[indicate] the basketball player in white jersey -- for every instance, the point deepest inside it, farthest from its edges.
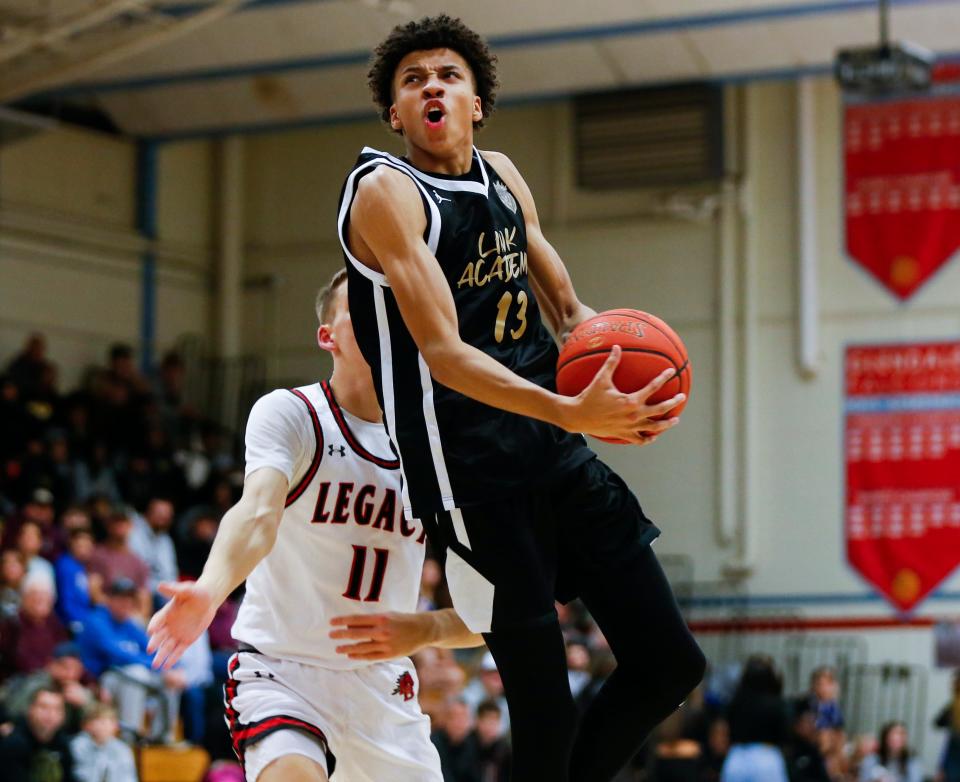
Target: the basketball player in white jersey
(319, 532)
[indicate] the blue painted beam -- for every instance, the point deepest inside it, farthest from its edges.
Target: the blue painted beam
(186, 9)
(329, 120)
(498, 42)
(146, 212)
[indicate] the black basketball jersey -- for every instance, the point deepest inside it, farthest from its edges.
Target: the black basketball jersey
(455, 451)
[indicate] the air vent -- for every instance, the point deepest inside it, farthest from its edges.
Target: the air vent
(649, 137)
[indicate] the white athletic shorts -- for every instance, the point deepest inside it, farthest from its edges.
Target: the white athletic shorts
(363, 725)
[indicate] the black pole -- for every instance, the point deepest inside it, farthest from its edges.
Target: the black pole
(884, 23)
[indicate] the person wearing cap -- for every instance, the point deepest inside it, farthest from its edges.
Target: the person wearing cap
(63, 673)
(114, 647)
(488, 686)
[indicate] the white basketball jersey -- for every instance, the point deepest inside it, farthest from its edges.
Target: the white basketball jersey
(344, 546)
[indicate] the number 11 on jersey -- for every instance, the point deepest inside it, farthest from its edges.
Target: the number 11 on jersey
(357, 570)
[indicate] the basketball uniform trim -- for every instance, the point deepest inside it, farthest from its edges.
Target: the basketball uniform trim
(243, 735)
(386, 381)
(456, 185)
(386, 353)
(433, 436)
(352, 441)
(302, 484)
(349, 193)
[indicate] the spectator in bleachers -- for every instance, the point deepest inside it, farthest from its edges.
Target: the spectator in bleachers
(113, 560)
(37, 748)
(40, 508)
(440, 680)
(29, 544)
(99, 510)
(114, 647)
(487, 686)
(73, 583)
(94, 475)
(459, 756)
(13, 570)
(15, 425)
(196, 542)
(169, 393)
(74, 517)
(758, 725)
(35, 632)
(58, 469)
(894, 761)
(805, 761)
(949, 718)
(64, 673)
(98, 755)
(675, 757)
(44, 403)
(26, 369)
(715, 750)
(151, 541)
(430, 578)
(493, 749)
(578, 666)
(824, 698)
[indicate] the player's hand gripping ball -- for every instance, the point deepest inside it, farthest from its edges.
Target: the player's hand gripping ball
(648, 347)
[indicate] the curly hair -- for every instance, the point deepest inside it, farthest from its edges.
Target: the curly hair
(433, 32)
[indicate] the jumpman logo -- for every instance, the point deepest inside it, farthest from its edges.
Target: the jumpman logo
(440, 198)
(341, 449)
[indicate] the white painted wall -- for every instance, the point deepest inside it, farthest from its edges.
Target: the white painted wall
(70, 257)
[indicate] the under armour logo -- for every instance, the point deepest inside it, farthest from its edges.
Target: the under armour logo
(341, 449)
(440, 198)
(259, 674)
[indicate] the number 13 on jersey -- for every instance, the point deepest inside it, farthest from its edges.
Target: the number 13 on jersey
(503, 310)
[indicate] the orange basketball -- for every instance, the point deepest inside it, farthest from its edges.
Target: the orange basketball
(648, 345)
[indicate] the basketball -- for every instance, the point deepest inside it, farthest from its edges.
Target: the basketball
(649, 346)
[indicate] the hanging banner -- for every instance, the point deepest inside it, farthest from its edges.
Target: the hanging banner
(902, 193)
(903, 466)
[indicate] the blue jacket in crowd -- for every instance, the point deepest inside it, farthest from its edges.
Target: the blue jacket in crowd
(73, 592)
(106, 643)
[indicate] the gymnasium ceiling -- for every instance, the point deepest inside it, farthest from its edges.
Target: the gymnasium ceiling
(183, 68)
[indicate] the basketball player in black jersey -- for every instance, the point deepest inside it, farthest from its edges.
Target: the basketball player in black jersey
(450, 280)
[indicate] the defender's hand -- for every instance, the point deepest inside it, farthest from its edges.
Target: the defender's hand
(180, 622)
(383, 636)
(602, 410)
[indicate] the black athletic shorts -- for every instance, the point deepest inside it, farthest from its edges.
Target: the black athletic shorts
(508, 561)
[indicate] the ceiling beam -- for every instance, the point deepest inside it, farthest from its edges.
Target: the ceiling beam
(18, 83)
(498, 42)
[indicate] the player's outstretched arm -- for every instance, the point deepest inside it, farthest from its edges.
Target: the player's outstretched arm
(246, 535)
(394, 634)
(386, 228)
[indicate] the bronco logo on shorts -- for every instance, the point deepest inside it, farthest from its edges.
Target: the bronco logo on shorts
(404, 686)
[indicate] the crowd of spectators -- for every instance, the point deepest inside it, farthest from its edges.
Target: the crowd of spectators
(118, 485)
(105, 491)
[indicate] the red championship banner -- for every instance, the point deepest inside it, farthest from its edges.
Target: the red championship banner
(903, 466)
(902, 196)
